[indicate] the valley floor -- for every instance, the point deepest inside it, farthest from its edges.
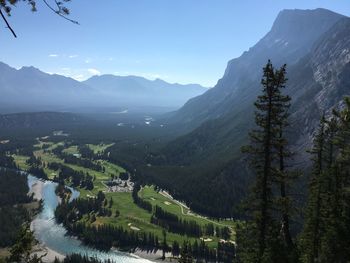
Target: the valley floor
(131, 217)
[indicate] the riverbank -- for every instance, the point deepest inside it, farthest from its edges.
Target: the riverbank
(155, 256)
(41, 249)
(50, 254)
(51, 235)
(37, 189)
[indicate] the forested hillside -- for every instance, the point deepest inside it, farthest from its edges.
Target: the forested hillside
(318, 71)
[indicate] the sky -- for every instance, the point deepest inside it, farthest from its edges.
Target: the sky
(182, 41)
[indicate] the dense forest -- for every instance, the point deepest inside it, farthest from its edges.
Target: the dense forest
(79, 216)
(272, 230)
(13, 197)
(220, 178)
(174, 224)
(70, 212)
(267, 235)
(77, 178)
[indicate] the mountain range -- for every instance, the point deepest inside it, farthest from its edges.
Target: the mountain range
(212, 127)
(29, 89)
(315, 45)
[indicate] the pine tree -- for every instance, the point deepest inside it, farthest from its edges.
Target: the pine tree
(326, 234)
(164, 245)
(175, 249)
(311, 234)
(110, 203)
(186, 253)
(335, 242)
(267, 151)
(284, 177)
(22, 249)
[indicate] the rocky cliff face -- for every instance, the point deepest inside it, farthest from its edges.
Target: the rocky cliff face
(318, 68)
(325, 83)
(292, 36)
(318, 79)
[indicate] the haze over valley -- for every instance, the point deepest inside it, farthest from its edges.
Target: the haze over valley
(29, 89)
(107, 167)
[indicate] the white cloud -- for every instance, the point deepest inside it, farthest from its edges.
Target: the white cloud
(53, 55)
(87, 60)
(94, 71)
(73, 56)
(79, 77)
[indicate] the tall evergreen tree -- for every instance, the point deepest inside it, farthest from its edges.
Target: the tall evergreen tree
(186, 253)
(284, 177)
(267, 151)
(312, 227)
(22, 249)
(326, 234)
(165, 245)
(335, 242)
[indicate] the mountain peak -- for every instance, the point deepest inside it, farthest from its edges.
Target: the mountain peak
(291, 37)
(31, 69)
(296, 25)
(321, 12)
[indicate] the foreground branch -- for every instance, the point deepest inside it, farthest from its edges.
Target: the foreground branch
(7, 24)
(57, 12)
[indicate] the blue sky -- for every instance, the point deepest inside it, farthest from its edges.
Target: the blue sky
(184, 41)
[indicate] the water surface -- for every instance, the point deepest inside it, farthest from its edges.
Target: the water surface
(53, 235)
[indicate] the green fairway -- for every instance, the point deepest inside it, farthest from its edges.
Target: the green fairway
(99, 148)
(71, 150)
(131, 216)
(21, 161)
(156, 198)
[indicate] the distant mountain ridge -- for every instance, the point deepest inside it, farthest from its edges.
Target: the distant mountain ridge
(143, 91)
(28, 89)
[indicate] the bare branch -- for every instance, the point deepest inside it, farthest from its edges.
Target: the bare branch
(58, 12)
(7, 24)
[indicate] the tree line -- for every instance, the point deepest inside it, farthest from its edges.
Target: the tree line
(77, 178)
(86, 161)
(268, 235)
(174, 224)
(77, 258)
(139, 201)
(13, 196)
(70, 212)
(106, 236)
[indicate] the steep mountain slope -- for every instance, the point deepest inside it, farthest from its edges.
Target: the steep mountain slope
(211, 153)
(292, 35)
(141, 91)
